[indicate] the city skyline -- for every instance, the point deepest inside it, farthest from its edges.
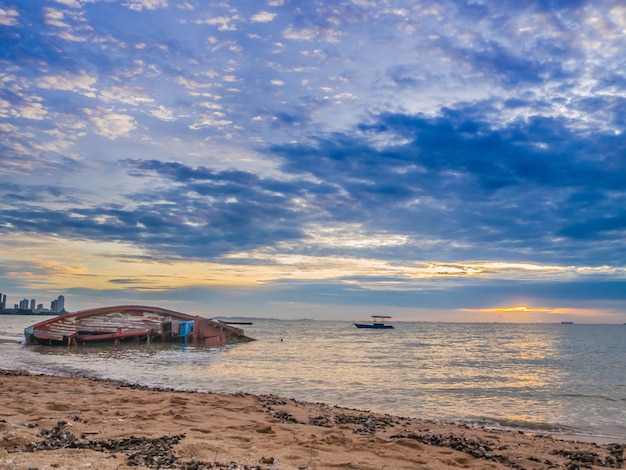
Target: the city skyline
(440, 160)
(30, 304)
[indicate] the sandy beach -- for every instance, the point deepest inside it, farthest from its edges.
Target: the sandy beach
(51, 422)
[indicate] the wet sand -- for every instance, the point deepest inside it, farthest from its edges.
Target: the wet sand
(79, 423)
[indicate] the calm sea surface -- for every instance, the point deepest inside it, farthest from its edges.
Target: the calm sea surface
(568, 379)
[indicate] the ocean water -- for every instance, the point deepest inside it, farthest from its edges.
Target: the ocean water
(544, 378)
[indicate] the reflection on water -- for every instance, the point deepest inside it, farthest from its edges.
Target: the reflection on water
(544, 377)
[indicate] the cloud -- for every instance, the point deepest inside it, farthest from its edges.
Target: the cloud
(311, 34)
(9, 17)
(197, 212)
(263, 17)
(110, 124)
(458, 176)
(438, 145)
(163, 114)
(70, 3)
(215, 119)
(139, 5)
(448, 177)
(33, 111)
(54, 17)
(81, 83)
(125, 94)
(225, 23)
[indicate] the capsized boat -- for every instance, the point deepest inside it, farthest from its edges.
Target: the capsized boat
(378, 322)
(132, 323)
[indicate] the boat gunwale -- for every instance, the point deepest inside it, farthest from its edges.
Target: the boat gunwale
(105, 310)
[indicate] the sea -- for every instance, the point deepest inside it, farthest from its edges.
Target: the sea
(561, 379)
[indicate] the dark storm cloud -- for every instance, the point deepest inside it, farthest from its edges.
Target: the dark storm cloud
(163, 231)
(209, 181)
(522, 189)
(520, 186)
(208, 214)
(499, 64)
(610, 227)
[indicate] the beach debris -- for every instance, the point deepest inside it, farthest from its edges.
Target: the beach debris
(320, 420)
(16, 372)
(156, 453)
(482, 449)
(284, 416)
(366, 423)
(272, 400)
(56, 438)
(477, 448)
(279, 414)
(617, 452)
(585, 459)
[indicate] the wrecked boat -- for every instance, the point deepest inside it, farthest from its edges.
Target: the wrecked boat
(132, 323)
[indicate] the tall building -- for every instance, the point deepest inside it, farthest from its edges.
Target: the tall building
(56, 306)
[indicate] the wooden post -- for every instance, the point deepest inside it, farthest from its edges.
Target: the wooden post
(197, 324)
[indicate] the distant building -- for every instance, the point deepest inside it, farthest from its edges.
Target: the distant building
(28, 306)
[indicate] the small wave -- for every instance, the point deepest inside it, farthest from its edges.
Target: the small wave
(595, 397)
(558, 431)
(519, 425)
(4, 338)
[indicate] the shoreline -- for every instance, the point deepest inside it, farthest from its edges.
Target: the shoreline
(242, 430)
(599, 439)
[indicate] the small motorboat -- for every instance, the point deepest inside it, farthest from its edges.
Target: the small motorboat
(378, 322)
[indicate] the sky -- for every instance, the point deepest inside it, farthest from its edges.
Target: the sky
(428, 160)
